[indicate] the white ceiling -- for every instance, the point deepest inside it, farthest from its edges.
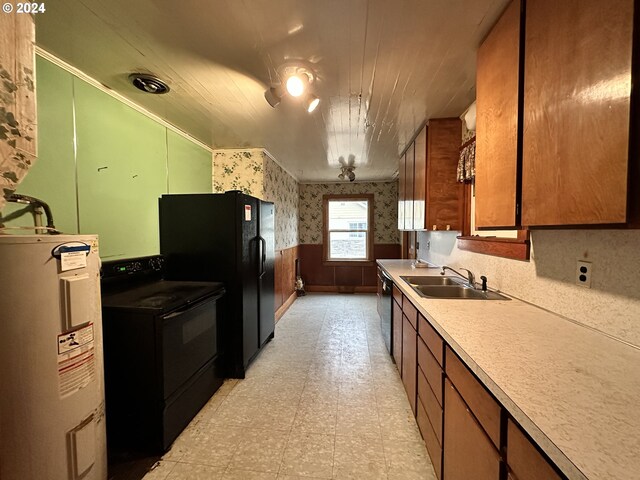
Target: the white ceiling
(384, 67)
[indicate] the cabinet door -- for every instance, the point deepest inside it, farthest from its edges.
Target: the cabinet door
(445, 195)
(576, 111)
(497, 102)
(402, 194)
(420, 180)
(397, 335)
(524, 459)
(468, 452)
(409, 362)
(408, 187)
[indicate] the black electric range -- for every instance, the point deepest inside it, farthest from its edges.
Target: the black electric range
(161, 352)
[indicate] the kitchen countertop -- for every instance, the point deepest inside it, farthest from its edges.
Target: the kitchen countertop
(573, 389)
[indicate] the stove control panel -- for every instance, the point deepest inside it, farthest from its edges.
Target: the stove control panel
(133, 267)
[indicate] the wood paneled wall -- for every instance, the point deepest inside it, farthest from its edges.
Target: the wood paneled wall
(322, 278)
(285, 278)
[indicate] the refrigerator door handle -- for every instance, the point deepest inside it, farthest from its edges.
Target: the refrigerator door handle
(263, 255)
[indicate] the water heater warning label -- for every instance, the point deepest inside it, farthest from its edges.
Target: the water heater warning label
(76, 360)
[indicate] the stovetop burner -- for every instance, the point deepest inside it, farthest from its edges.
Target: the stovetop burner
(137, 285)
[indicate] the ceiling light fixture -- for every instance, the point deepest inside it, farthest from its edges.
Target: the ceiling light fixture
(297, 80)
(148, 83)
(295, 85)
(312, 102)
(347, 172)
(273, 95)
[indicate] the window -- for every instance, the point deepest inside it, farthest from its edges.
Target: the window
(348, 228)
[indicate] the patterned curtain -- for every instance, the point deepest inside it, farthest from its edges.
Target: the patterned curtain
(17, 101)
(467, 161)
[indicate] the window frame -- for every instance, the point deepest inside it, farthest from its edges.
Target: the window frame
(369, 260)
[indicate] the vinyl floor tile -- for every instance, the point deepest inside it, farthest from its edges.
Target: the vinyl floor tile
(309, 454)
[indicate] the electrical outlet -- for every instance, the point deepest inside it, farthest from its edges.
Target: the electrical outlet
(428, 244)
(583, 273)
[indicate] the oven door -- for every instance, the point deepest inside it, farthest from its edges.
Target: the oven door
(189, 340)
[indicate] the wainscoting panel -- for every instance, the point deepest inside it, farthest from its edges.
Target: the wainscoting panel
(349, 278)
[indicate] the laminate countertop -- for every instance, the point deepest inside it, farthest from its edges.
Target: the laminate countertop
(575, 390)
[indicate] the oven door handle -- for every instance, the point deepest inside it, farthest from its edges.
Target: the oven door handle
(193, 306)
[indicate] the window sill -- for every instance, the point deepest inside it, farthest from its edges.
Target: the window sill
(348, 263)
(514, 248)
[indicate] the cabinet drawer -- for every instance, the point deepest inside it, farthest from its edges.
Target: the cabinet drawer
(431, 369)
(430, 404)
(480, 401)
(409, 362)
(431, 338)
(431, 441)
(397, 295)
(524, 459)
(468, 452)
(410, 311)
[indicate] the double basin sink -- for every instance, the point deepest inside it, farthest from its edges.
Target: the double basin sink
(448, 288)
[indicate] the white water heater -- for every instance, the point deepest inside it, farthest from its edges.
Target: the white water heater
(52, 424)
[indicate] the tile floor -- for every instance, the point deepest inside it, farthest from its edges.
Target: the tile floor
(323, 400)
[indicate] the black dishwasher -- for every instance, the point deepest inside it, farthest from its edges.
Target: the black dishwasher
(160, 351)
(385, 306)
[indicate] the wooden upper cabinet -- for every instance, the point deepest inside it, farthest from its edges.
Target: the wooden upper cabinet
(444, 195)
(402, 195)
(497, 105)
(431, 164)
(420, 180)
(577, 97)
(409, 187)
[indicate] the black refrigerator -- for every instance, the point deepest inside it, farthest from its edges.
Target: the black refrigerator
(226, 237)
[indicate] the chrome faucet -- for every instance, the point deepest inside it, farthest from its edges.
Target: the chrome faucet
(471, 278)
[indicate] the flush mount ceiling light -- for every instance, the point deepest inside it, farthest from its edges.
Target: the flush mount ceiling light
(347, 172)
(297, 81)
(148, 83)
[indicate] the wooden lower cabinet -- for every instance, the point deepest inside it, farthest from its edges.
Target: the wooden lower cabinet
(459, 419)
(409, 361)
(431, 369)
(430, 439)
(431, 406)
(396, 319)
(484, 407)
(468, 452)
(524, 459)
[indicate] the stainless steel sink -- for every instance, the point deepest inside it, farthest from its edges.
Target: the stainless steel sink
(456, 292)
(426, 280)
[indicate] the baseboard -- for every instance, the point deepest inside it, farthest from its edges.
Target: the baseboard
(285, 306)
(341, 288)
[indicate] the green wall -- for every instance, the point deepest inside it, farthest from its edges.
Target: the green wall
(123, 162)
